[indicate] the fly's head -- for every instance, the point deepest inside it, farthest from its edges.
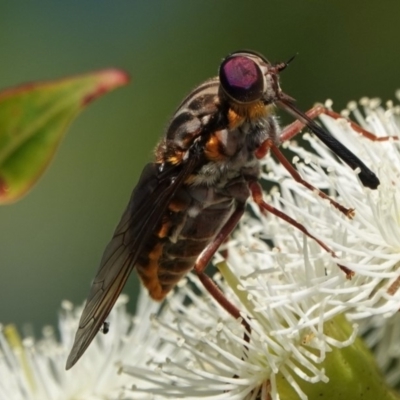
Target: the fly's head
(247, 78)
(250, 85)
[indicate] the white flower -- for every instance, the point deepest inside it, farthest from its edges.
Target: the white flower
(32, 370)
(303, 311)
(290, 291)
(369, 244)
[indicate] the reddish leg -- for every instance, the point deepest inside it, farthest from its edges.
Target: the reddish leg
(256, 192)
(206, 256)
(294, 128)
(394, 287)
(269, 144)
(289, 132)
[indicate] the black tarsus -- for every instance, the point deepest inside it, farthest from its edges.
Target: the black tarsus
(367, 177)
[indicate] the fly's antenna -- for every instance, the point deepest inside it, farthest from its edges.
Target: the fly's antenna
(281, 66)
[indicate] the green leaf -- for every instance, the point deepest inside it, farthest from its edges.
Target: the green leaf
(34, 119)
(352, 371)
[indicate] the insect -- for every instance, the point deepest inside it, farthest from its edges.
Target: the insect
(192, 196)
(106, 327)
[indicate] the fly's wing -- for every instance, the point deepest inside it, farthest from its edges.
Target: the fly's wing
(149, 200)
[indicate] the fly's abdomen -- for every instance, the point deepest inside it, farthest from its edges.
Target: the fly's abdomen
(186, 230)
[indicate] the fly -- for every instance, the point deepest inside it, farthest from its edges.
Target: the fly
(192, 196)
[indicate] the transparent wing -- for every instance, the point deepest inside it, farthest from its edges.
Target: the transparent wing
(148, 202)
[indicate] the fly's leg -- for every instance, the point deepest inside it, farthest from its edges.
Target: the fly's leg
(269, 144)
(256, 192)
(295, 127)
(289, 132)
(206, 256)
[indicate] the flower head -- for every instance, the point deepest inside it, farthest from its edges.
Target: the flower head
(36, 370)
(292, 293)
(304, 313)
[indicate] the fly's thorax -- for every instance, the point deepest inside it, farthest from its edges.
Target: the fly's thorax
(230, 153)
(196, 115)
(229, 134)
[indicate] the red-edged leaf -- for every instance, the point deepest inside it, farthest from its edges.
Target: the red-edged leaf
(34, 119)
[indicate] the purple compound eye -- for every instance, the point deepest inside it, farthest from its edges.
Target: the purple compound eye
(241, 78)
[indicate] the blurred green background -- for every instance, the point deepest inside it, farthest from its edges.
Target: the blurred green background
(52, 240)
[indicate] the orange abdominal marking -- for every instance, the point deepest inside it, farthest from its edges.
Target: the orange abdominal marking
(176, 206)
(164, 230)
(212, 149)
(149, 273)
